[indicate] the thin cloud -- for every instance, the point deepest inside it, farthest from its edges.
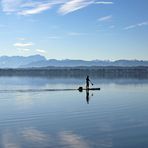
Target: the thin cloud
(27, 8)
(105, 18)
(36, 10)
(73, 5)
(104, 3)
(143, 24)
(24, 49)
(41, 50)
(130, 27)
(22, 44)
(22, 7)
(136, 25)
(10, 6)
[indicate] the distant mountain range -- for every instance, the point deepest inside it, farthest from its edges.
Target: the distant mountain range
(41, 61)
(18, 61)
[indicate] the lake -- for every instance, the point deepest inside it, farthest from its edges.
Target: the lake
(114, 117)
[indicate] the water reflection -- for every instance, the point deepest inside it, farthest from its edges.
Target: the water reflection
(87, 95)
(9, 140)
(117, 116)
(71, 140)
(36, 136)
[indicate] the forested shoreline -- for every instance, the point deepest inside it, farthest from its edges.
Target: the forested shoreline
(102, 72)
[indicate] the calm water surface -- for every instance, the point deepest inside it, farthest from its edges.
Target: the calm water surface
(115, 117)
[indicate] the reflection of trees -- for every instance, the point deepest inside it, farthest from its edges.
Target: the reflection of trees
(102, 72)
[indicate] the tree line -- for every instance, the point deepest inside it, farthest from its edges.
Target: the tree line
(100, 72)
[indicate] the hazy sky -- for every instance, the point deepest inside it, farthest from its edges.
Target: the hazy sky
(75, 29)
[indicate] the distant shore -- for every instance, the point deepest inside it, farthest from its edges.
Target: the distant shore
(97, 72)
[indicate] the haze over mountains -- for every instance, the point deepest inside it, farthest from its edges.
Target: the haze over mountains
(41, 61)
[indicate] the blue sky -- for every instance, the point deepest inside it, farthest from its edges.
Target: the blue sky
(75, 29)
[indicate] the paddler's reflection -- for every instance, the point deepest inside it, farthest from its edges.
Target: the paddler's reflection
(87, 96)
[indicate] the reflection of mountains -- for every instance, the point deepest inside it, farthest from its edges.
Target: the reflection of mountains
(80, 72)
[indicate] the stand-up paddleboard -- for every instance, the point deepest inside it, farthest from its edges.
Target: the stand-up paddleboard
(91, 89)
(87, 89)
(44, 90)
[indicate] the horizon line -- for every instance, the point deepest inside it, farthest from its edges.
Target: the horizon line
(47, 58)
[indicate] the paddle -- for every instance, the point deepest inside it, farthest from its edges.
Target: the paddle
(91, 82)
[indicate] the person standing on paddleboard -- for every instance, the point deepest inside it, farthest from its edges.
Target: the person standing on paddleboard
(87, 82)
